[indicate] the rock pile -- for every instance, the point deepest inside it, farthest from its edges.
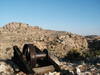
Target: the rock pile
(6, 69)
(81, 69)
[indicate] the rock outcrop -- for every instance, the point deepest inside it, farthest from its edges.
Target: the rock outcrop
(57, 42)
(93, 42)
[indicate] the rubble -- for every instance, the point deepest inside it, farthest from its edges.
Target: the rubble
(53, 73)
(81, 69)
(6, 69)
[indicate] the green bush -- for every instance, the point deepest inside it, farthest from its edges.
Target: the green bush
(74, 55)
(91, 53)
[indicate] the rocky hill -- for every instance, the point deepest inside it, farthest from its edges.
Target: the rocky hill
(57, 42)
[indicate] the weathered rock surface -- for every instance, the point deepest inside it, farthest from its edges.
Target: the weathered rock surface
(94, 42)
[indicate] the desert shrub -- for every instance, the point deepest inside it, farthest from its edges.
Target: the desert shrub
(73, 55)
(91, 53)
(97, 52)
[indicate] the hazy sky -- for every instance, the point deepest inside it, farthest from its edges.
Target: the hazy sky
(78, 16)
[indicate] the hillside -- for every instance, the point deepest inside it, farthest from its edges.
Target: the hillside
(57, 42)
(63, 45)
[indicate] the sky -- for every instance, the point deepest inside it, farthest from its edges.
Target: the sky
(76, 16)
